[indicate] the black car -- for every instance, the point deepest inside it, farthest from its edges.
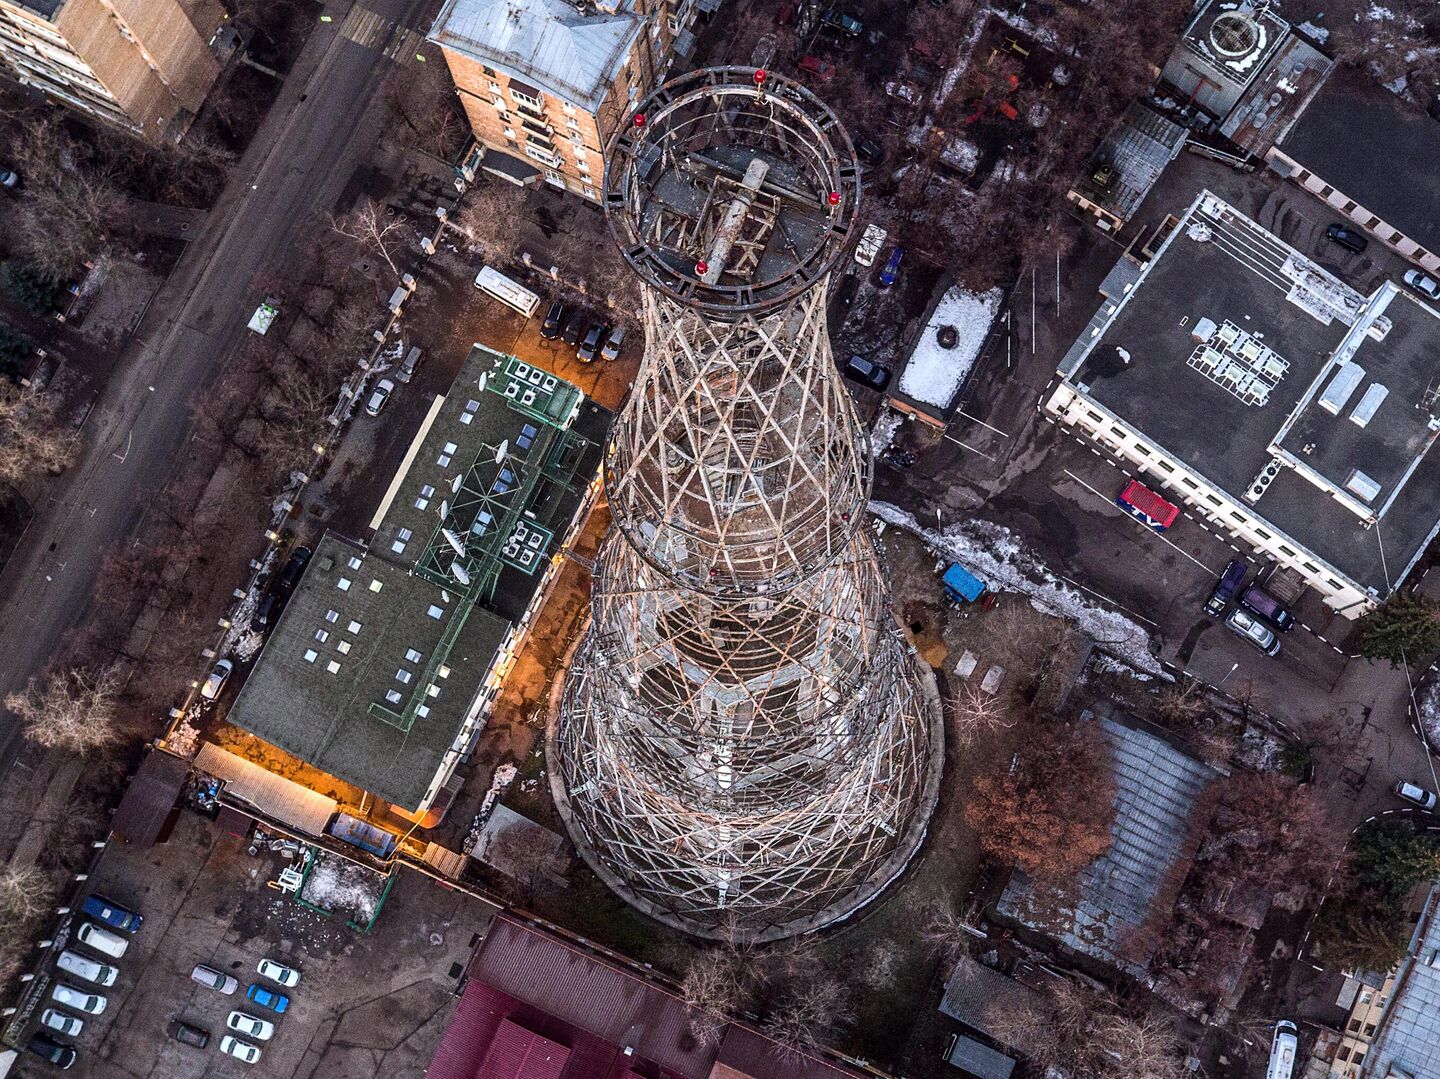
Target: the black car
(554, 319)
(1227, 587)
(266, 611)
(1258, 601)
(591, 345)
(1346, 237)
(866, 373)
(869, 151)
(844, 294)
(290, 575)
(184, 1032)
(835, 19)
(47, 1048)
(574, 328)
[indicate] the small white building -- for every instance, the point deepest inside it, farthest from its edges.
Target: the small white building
(944, 355)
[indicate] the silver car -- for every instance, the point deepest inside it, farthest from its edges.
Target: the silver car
(211, 978)
(82, 966)
(1246, 625)
(1423, 283)
(383, 389)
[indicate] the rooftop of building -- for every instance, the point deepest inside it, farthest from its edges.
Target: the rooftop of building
(379, 654)
(1156, 789)
(1223, 50)
(537, 1005)
(1408, 1042)
(1360, 139)
(1231, 352)
(1127, 163)
(985, 1000)
(1278, 96)
(570, 50)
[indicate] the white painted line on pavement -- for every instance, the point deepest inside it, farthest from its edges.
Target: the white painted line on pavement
(1158, 535)
(972, 449)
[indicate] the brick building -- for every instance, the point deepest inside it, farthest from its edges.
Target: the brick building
(545, 82)
(144, 65)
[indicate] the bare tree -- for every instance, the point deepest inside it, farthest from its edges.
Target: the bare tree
(493, 216)
(31, 437)
(25, 893)
(69, 205)
(72, 710)
(946, 930)
(718, 984)
(975, 714)
(369, 227)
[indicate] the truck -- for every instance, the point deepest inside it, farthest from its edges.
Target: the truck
(962, 586)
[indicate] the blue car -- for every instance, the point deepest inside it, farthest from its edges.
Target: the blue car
(112, 913)
(268, 998)
(891, 271)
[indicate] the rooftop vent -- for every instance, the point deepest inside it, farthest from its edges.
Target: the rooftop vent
(1348, 377)
(1365, 410)
(1362, 485)
(1234, 34)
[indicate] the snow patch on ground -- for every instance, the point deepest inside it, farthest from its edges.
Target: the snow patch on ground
(339, 885)
(1427, 705)
(993, 553)
(1041, 34)
(933, 375)
(883, 433)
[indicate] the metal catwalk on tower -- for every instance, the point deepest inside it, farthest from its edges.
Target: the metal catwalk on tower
(746, 745)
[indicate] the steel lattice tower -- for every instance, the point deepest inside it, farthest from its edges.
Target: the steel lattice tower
(746, 744)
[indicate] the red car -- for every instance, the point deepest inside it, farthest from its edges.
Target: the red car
(821, 69)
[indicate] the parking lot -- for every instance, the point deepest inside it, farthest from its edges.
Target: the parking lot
(365, 1005)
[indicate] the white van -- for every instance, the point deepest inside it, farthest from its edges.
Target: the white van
(508, 292)
(102, 940)
(1282, 1051)
(87, 969)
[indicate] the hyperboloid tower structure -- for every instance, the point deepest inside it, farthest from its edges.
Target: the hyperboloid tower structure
(746, 746)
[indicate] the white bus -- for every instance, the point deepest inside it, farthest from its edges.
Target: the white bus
(506, 291)
(1282, 1051)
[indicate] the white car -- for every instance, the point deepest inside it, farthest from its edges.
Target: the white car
(249, 1025)
(1415, 795)
(102, 940)
(383, 389)
(868, 249)
(216, 680)
(1423, 283)
(211, 978)
(289, 977)
(65, 1024)
(84, 967)
(250, 1054)
(80, 1001)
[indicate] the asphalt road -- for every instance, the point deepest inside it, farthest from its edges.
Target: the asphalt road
(136, 436)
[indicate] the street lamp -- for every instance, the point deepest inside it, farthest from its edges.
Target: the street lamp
(1233, 668)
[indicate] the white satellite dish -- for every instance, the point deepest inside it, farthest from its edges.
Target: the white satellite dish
(459, 573)
(444, 596)
(456, 482)
(453, 540)
(444, 509)
(501, 450)
(484, 379)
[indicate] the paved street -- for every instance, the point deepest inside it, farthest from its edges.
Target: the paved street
(295, 168)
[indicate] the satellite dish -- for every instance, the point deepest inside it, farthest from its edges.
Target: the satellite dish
(501, 450)
(484, 379)
(455, 483)
(444, 596)
(453, 540)
(459, 573)
(444, 509)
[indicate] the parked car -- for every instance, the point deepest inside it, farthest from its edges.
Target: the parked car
(823, 70)
(1258, 601)
(890, 272)
(48, 1049)
(1415, 795)
(111, 913)
(250, 1054)
(844, 294)
(77, 999)
(1347, 237)
(216, 679)
(184, 1032)
(406, 371)
(8, 178)
(290, 575)
(1227, 587)
(211, 978)
(87, 969)
(554, 319)
(861, 370)
(591, 345)
(574, 327)
(871, 241)
(383, 389)
(251, 1026)
(837, 20)
(268, 998)
(1253, 630)
(266, 611)
(1423, 283)
(289, 977)
(102, 940)
(613, 344)
(869, 151)
(59, 1021)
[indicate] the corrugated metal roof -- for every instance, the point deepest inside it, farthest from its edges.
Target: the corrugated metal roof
(572, 55)
(517, 1053)
(980, 1060)
(149, 799)
(977, 996)
(275, 796)
(746, 1052)
(1156, 788)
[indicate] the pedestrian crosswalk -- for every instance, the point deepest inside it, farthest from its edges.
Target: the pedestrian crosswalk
(365, 27)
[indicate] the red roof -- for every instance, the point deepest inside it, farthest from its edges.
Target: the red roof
(517, 1053)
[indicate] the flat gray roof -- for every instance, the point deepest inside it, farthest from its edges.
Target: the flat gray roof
(381, 652)
(1409, 1036)
(1251, 393)
(1359, 139)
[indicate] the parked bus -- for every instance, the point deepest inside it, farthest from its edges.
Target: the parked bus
(1282, 1051)
(507, 291)
(1145, 505)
